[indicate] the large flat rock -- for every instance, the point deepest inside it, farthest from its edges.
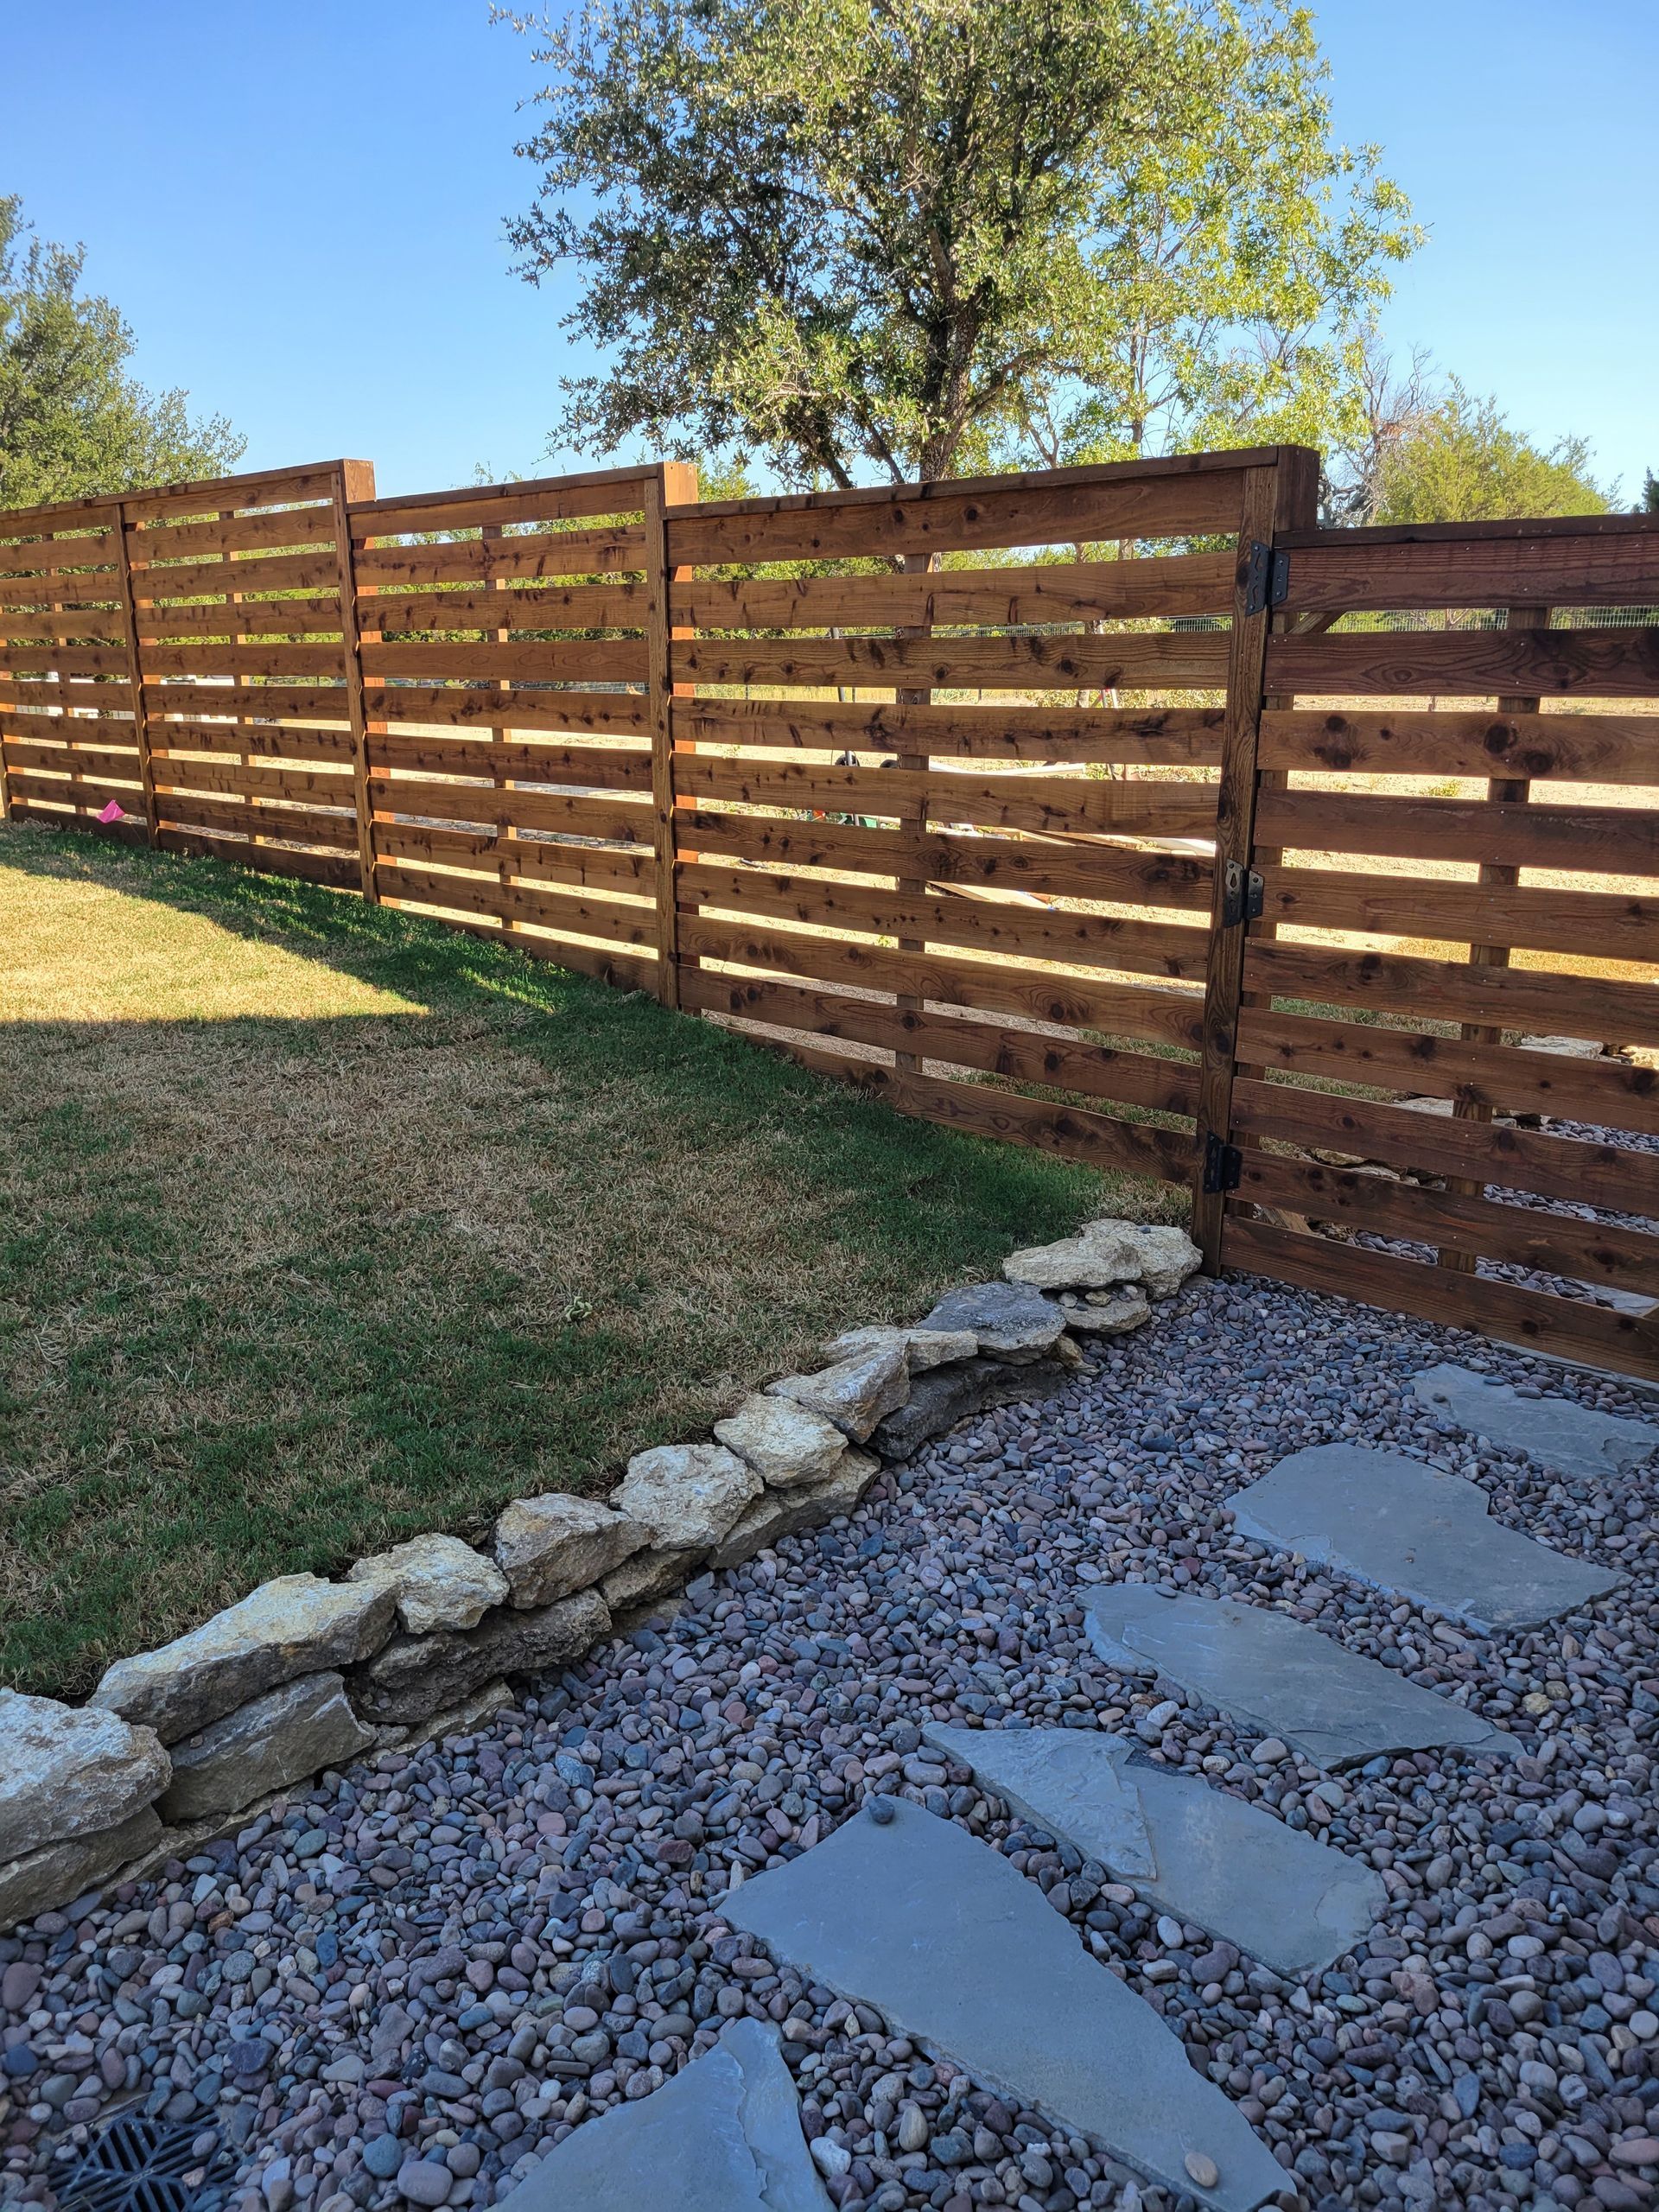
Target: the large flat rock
(1401, 1526)
(1279, 1676)
(956, 1949)
(1576, 1439)
(723, 2136)
(1188, 1850)
(70, 1770)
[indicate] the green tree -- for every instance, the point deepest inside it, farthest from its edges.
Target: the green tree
(1649, 494)
(899, 238)
(73, 422)
(1462, 462)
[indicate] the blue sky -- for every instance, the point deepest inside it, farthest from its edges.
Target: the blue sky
(300, 209)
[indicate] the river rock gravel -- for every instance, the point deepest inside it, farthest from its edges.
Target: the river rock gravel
(406, 1984)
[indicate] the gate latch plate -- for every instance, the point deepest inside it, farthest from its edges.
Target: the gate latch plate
(1267, 578)
(1244, 895)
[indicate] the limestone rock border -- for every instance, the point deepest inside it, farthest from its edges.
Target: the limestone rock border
(180, 1745)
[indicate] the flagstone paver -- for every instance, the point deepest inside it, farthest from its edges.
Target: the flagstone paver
(1280, 1676)
(1402, 1526)
(1191, 1850)
(956, 1949)
(1579, 1440)
(724, 2135)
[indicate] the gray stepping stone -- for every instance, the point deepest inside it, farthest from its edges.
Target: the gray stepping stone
(724, 2135)
(954, 1948)
(1401, 1526)
(1577, 1439)
(1280, 1676)
(1193, 1851)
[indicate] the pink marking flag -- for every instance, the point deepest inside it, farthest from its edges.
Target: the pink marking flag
(112, 812)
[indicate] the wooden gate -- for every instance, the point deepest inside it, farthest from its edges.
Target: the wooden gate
(1458, 934)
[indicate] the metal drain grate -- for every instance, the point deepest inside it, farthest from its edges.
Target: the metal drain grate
(135, 2165)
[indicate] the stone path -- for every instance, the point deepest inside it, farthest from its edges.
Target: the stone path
(1579, 1440)
(722, 2136)
(1189, 1849)
(428, 1980)
(950, 1946)
(1286, 1681)
(1411, 1529)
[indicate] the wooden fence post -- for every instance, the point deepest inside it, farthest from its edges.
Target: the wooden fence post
(136, 674)
(1271, 498)
(672, 483)
(354, 481)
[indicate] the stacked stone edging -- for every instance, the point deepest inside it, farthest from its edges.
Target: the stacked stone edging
(304, 1675)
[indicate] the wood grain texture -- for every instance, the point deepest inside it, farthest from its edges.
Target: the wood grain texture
(1055, 660)
(1550, 663)
(1584, 748)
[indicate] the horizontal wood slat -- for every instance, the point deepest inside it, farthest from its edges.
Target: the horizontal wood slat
(271, 740)
(1351, 568)
(1547, 663)
(302, 825)
(339, 870)
(287, 527)
(232, 779)
(1531, 1319)
(500, 853)
(1586, 748)
(509, 607)
(1608, 924)
(1511, 998)
(561, 660)
(615, 820)
(1053, 804)
(1073, 660)
(265, 703)
(544, 553)
(1034, 592)
(1605, 839)
(544, 907)
(501, 507)
(1152, 737)
(610, 714)
(613, 765)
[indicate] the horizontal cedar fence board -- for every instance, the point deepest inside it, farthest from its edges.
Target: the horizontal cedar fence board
(613, 819)
(265, 703)
(279, 661)
(222, 623)
(1508, 998)
(1019, 1056)
(618, 965)
(1014, 929)
(240, 495)
(1074, 1132)
(1154, 737)
(60, 661)
(1350, 568)
(1507, 1077)
(1621, 840)
(309, 573)
(591, 867)
(1553, 1243)
(288, 528)
(1045, 870)
(1069, 591)
(85, 792)
(99, 588)
(1531, 1319)
(614, 714)
(560, 660)
(272, 740)
(1073, 661)
(1052, 803)
(321, 786)
(1612, 924)
(545, 553)
(1192, 495)
(60, 759)
(44, 555)
(339, 870)
(602, 770)
(1581, 748)
(989, 986)
(1518, 1160)
(498, 506)
(92, 625)
(483, 756)
(30, 695)
(301, 825)
(51, 728)
(514, 606)
(1546, 664)
(523, 902)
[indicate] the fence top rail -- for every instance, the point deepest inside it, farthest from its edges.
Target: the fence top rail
(1471, 533)
(207, 492)
(480, 495)
(942, 488)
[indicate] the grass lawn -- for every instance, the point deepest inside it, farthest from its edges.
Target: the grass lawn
(320, 1225)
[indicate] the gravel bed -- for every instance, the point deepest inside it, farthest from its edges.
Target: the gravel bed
(406, 1985)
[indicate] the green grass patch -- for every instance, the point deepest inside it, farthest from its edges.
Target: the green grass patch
(320, 1225)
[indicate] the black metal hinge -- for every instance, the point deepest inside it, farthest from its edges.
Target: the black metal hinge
(1243, 895)
(1223, 1164)
(1267, 578)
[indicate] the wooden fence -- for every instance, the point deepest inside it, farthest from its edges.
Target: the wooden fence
(1117, 811)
